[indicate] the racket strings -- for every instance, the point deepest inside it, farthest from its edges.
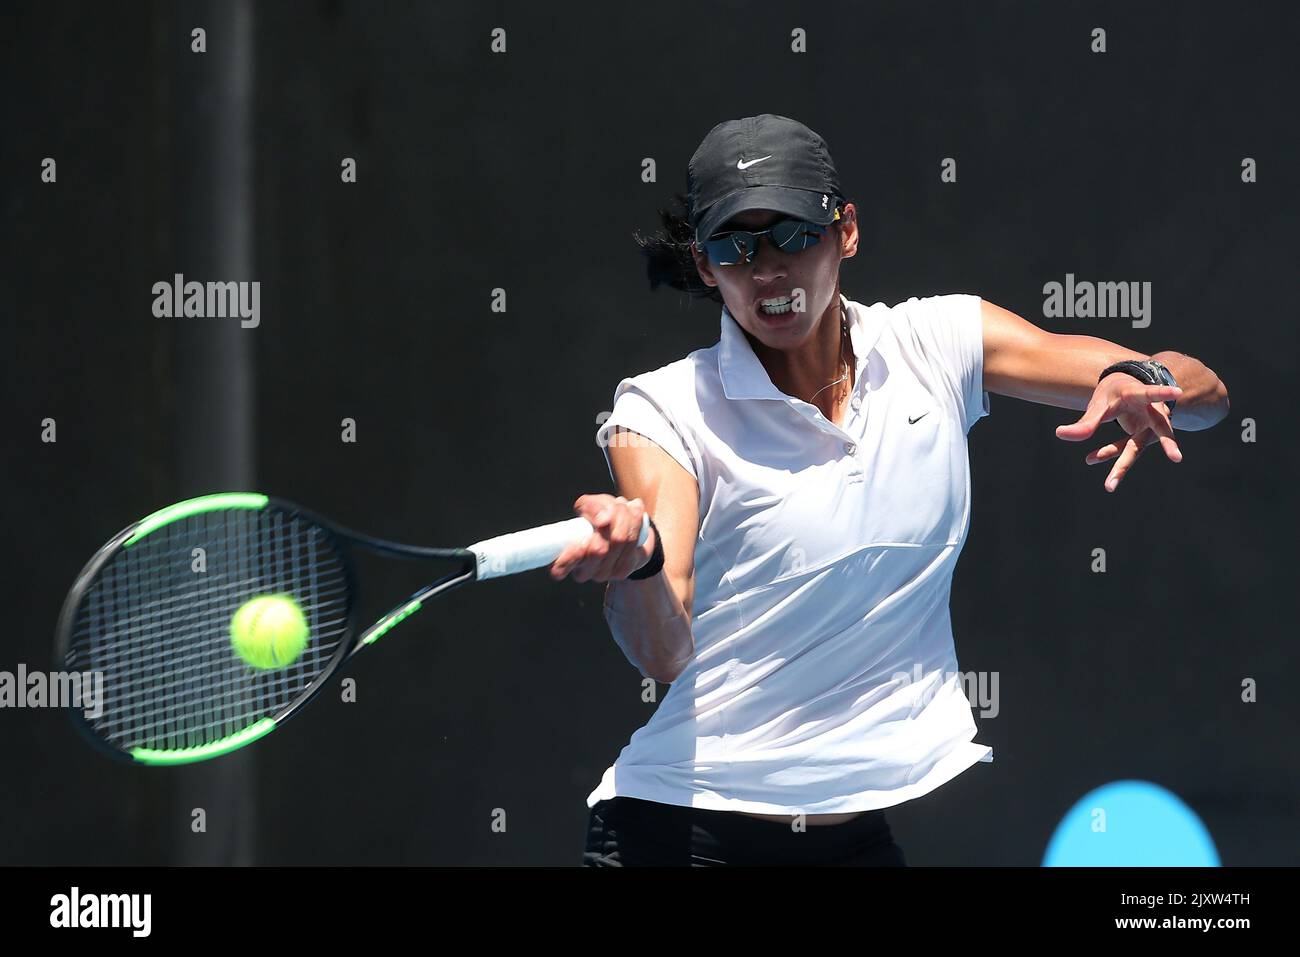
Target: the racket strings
(155, 623)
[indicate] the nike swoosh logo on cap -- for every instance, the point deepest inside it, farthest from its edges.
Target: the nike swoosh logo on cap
(741, 164)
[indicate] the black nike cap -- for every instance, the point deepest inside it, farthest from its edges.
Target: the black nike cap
(760, 162)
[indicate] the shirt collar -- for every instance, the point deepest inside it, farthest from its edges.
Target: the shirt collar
(743, 375)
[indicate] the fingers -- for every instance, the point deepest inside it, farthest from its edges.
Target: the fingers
(1098, 412)
(1109, 400)
(1160, 393)
(610, 553)
(1132, 449)
(573, 555)
(613, 543)
(1103, 454)
(633, 556)
(567, 559)
(580, 558)
(1165, 430)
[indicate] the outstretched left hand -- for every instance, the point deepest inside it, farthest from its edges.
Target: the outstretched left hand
(1141, 412)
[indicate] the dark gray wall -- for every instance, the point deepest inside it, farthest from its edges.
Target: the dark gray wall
(523, 171)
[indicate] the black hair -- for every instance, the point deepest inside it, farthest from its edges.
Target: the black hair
(667, 252)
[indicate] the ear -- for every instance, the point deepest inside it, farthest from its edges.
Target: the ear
(702, 265)
(848, 223)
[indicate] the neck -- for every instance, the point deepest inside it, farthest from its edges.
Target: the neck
(805, 372)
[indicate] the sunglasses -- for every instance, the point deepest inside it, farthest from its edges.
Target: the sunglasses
(739, 246)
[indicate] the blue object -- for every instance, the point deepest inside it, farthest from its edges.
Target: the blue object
(1131, 824)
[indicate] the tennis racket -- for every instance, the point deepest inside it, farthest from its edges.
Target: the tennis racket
(151, 613)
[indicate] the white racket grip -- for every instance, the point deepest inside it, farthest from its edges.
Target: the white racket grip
(534, 547)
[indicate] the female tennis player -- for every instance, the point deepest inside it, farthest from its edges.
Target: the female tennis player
(809, 493)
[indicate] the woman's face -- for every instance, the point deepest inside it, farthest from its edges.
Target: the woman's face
(771, 274)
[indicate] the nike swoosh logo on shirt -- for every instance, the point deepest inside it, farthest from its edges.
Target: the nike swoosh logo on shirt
(913, 421)
(741, 164)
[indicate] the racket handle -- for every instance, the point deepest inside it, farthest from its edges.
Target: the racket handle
(534, 547)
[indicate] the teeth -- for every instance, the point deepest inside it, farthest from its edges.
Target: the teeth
(774, 307)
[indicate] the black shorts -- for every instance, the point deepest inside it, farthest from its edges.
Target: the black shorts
(630, 832)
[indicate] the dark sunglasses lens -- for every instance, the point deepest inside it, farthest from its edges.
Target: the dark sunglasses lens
(731, 249)
(792, 235)
(738, 246)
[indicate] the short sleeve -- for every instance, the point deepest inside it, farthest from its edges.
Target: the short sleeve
(951, 331)
(636, 410)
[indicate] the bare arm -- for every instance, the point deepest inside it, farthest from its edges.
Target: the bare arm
(1026, 362)
(650, 619)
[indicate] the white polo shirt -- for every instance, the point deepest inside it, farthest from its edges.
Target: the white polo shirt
(824, 678)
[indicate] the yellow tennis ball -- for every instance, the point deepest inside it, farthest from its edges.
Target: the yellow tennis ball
(269, 631)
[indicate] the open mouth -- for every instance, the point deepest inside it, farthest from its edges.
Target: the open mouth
(775, 307)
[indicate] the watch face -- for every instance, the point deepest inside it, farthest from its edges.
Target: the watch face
(1162, 374)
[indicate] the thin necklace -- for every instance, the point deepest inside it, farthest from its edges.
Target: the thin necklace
(844, 328)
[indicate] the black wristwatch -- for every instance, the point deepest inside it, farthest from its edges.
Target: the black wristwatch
(1147, 370)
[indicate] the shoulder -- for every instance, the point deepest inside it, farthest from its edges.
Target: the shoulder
(934, 326)
(929, 310)
(662, 405)
(678, 384)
